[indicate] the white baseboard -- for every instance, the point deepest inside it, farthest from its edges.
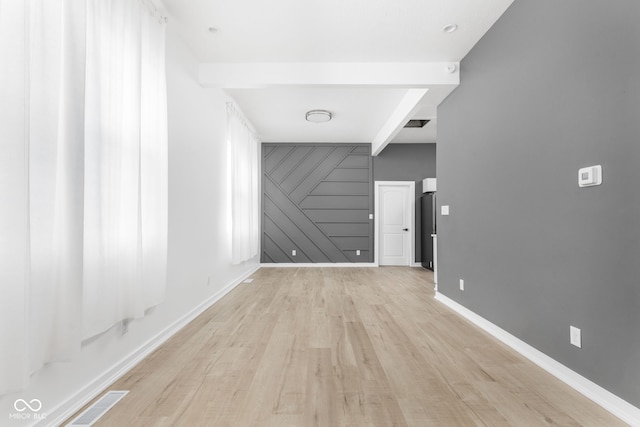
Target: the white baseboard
(319, 264)
(83, 396)
(609, 401)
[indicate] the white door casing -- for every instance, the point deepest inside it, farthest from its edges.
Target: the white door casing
(394, 222)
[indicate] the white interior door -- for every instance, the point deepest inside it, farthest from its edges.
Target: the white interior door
(395, 222)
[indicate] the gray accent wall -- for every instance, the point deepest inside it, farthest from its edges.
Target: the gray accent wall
(407, 162)
(552, 87)
(316, 201)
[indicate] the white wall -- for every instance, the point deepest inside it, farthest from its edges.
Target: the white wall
(199, 266)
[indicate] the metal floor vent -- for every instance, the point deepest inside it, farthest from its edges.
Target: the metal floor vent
(98, 409)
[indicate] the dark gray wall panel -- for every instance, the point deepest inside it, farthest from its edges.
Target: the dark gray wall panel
(316, 200)
(344, 216)
(351, 243)
(362, 149)
(342, 229)
(348, 175)
(300, 172)
(274, 157)
(290, 164)
(276, 221)
(335, 202)
(344, 189)
(273, 252)
(355, 161)
(317, 172)
(407, 162)
(554, 86)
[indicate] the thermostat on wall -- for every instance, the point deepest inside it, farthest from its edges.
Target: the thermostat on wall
(589, 176)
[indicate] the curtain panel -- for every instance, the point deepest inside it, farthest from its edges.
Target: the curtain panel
(125, 161)
(82, 179)
(244, 186)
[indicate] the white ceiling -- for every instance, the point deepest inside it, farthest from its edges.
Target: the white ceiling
(369, 62)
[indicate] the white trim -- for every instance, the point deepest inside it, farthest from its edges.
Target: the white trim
(609, 401)
(83, 396)
(376, 211)
(403, 75)
(415, 264)
(404, 111)
(319, 264)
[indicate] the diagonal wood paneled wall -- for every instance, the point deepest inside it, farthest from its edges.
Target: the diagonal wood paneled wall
(316, 200)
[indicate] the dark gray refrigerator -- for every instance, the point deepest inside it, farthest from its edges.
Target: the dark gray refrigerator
(428, 227)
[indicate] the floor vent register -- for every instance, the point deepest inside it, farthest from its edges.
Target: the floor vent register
(98, 409)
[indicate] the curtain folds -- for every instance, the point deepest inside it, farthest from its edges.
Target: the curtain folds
(243, 146)
(83, 174)
(125, 204)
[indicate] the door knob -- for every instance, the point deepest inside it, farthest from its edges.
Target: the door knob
(405, 229)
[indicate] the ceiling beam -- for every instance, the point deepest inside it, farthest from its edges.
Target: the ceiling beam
(334, 74)
(405, 110)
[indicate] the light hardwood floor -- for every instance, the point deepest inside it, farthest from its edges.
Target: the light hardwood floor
(341, 347)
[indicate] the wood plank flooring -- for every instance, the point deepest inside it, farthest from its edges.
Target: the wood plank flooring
(341, 347)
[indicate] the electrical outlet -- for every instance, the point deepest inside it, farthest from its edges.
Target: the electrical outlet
(461, 285)
(370, 216)
(575, 336)
(358, 252)
(293, 252)
(444, 210)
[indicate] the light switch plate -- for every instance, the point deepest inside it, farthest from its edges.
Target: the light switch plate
(444, 209)
(575, 336)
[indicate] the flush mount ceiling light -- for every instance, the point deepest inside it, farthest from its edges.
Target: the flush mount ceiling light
(450, 28)
(318, 116)
(212, 30)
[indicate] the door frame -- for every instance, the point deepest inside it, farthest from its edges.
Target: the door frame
(411, 185)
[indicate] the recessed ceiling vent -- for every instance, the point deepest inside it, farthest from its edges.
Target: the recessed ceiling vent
(416, 123)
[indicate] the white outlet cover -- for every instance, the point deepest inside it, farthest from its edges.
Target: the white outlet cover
(293, 252)
(461, 284)
(358, 252)
(444, 209)
(575, 336)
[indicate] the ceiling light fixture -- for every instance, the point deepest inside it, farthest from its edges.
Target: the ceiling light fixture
(450, 28)
(213, 30)
(318, 116)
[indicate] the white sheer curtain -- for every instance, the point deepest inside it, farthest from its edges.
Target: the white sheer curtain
(243, 147)
(41, 109)
(70, 203)
(125, 205)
